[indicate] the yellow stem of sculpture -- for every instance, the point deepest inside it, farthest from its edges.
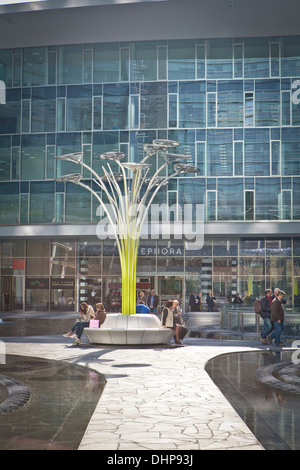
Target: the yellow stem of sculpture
(128, 265)
(128, 254)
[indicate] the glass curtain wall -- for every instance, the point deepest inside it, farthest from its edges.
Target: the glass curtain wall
(233, 104)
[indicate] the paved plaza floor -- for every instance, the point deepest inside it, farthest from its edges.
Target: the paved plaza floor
(153, 398)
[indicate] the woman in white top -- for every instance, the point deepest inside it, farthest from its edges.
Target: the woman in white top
(86, 314)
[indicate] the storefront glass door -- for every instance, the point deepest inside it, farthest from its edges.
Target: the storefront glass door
(170, 287)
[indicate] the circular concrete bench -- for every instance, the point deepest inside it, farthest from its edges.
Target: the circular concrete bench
(129, 329)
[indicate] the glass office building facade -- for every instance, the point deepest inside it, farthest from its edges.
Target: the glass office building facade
(232, 104)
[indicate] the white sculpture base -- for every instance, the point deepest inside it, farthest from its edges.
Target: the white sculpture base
(129, 329)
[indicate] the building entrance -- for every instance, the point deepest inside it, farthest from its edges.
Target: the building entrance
(12, 288)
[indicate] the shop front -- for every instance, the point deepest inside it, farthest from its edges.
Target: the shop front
(57, 275)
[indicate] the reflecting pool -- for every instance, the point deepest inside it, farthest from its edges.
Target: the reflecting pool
(264, 388)
(46, 405)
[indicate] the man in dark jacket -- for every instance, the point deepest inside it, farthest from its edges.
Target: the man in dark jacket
(277, 316)
(152, 301)
(265, 313)
(193, 302)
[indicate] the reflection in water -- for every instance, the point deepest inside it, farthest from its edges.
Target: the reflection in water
(63, 398)
(271, 412)
(35, 326)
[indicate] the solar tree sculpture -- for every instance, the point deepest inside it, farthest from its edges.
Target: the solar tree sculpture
(129, 193)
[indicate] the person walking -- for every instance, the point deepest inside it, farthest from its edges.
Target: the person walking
(265, 313)
(277, 316)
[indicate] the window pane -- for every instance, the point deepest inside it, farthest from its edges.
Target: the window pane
(200, 61)
(67, 143)
(275, 157)
(78, 204)
(79, 108)
(286, 108)
(88, 65)
(5, 152)
(115, 106)
(238, 158)
(33, 157)
(275, 48)
(257, 152)
(26, 105)
(290, 56)
(219, 58)
(249, 109)
(219, 153)
(97, 112)
(230, 103)
(124, 64)
(173, 117)
(162, 63)
(10, 113)
(70, 64)
(267, 102)
(41, 202)
(211, 110)
(211, 205)
(51, 68)
(154, 105)
(192, 104)
(290, 149)
(24, 209)
(267, 192)
(143, 61)
(6, 66)
(230, 199)
(191, 191)
(249, 205)
(286, 197)
(106, 62)
(256, 57)
(181, 60)
(9, 203)
(17, 69)
(34, 66)
(43, 110)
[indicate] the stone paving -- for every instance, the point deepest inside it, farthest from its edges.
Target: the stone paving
(156, 398)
